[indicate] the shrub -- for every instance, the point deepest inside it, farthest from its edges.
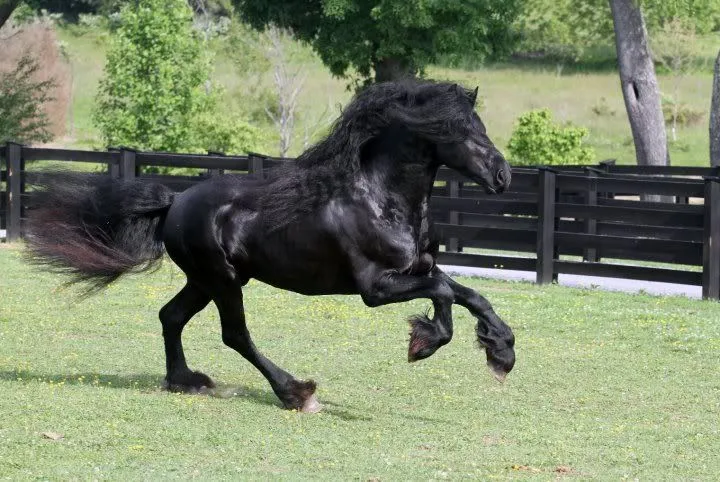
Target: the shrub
(232, 136)
(536, 140)
(680, 114)
(156, 79)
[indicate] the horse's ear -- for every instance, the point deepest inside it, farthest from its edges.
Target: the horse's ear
(473, 98)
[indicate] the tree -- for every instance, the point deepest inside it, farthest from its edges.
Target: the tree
(639, 83)
(155, 79)
(715, 117)
(387, 39)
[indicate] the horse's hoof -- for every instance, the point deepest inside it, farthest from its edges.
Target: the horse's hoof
(498, 374)
(311, 405)
(424, 340)
(300, 395)
(189, 382)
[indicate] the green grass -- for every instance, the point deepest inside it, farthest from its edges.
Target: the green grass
(607, 386)
(507, 89)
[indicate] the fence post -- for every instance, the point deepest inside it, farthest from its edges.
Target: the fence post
(546, 252)
(213, 172)
(591, 198)
(453, 244)
(128, 166)
(256, 167)
(711, 240)
(13, 205)
(114, 169)
(606, 165)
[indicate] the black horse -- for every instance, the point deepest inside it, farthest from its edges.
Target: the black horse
(350, 216)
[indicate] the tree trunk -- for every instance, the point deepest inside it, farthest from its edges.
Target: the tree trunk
(6, 9)
(715, 117)
(393, 68)
(639, 84)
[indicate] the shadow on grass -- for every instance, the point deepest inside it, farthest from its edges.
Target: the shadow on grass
(145, 382)
(136, 382)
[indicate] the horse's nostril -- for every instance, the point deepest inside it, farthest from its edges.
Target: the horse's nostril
(501, 177)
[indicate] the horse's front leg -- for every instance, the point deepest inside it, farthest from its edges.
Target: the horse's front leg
(382, 286)
(493, 334)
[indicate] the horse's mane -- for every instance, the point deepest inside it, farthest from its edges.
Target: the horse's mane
(437, 111)
(434, 111)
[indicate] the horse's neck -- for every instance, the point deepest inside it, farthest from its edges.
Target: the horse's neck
(391, 181)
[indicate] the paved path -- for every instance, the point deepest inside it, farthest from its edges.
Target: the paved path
(610, 284)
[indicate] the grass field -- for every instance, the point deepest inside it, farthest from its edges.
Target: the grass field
(607, 386)
(587, 94)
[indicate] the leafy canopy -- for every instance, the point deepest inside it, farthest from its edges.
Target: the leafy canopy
(355, 36)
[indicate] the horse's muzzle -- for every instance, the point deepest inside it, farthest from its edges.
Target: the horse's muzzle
(502, 179)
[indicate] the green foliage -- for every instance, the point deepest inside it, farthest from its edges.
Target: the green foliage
(680, 114)
(247, 49)
(567, 29)
(22, 118)
(536, 140)
(226, 135)
(703, 16)
(354, 36)
(564, 28)
(156, 95)
(73, 9)
(156, 77)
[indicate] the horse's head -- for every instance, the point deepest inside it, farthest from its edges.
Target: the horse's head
(476, 156)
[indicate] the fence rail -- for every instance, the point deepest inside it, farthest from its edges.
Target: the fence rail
(568, 221)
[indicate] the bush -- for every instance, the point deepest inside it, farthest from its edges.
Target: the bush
(22, 117)
(682, 114)
(536, 140)
(232, 136)
(156, 79)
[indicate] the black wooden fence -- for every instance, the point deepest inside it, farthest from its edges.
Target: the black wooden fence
(577, 220)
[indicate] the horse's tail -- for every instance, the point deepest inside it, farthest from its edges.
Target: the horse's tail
(95, 228)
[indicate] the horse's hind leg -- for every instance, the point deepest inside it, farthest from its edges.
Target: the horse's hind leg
(294, 394)
(174, 316)
(493, 334)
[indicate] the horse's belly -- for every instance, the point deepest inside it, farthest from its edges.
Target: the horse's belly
(312, 264)
(309, 280)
